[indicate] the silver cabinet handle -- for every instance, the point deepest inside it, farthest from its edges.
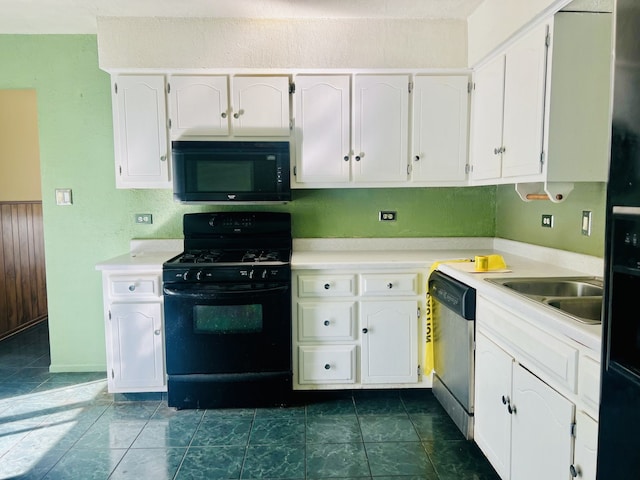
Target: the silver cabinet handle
(236, 115)
(417, 158)
(389, 286)
(346, 158)
(156, 332)
(511, 409)
(365, 330)
(327, 286)
(132, 287)
(327, 323)
(357, 158)
(223, 114)
(163, 158)
(575, 471)
(505, 400)
(496, 151)
(327, 366)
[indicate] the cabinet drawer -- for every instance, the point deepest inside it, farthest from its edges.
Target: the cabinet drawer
(326, 321)
(138, 286)
(330, 364)
(540, 352)
(390, 284)
(326, 285)
(589, 384)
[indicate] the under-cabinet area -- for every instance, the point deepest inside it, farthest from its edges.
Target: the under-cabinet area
(357, 329)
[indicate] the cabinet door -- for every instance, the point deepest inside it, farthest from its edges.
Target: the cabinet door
(440, 120)
(389, 342)
(524, 101)
(198, 106)
(260, 106)
(541, 429)
(322, 126)
(492, 427)
(140, 129)
(380, 130)
(487, 113)
(137, 349)
(586, 448)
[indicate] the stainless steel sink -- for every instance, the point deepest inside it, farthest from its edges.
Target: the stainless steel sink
(588, 309)
(579, 297)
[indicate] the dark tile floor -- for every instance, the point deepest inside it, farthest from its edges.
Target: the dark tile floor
(66, 426)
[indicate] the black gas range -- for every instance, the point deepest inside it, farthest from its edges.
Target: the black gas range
(227, 302)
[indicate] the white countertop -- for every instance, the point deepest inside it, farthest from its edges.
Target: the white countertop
(143, 255)
(523, 260)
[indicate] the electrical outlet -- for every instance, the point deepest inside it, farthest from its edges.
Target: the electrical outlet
(387, 215)
(144, 218)
(586, 223)
(547, 221)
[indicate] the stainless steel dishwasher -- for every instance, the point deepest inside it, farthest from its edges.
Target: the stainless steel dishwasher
(454, 314)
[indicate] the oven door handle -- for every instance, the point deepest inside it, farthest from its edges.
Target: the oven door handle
(204, 292)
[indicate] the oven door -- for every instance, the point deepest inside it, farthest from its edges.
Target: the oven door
(222, 328)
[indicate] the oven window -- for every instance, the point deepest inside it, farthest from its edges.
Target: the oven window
(222, 319)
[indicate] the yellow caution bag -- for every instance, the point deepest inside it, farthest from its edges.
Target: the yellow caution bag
(428, 347)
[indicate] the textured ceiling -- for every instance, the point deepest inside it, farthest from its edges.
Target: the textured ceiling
(79, 16)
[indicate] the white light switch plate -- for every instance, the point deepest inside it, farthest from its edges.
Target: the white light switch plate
(63, 196)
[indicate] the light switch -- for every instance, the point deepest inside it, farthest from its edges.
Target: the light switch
(586, 223)
(63, 196)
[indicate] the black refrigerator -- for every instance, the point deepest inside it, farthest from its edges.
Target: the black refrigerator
(619, 422)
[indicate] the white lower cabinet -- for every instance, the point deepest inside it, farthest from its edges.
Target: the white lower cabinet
(356, 330)
(134, 331)
(389, 342)
(541, 429)
(137, 360)
(522, 424)
(530, 426)
(586, 448)
(492, 424)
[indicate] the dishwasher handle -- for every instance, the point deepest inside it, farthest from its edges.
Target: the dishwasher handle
(453, 295)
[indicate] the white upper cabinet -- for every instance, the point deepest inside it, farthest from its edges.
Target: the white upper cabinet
(198, 105)
(540, 109)
(508, 111)
(140, 131)
(202, 106)
(440, 127)
(322, 128)
(260, 106)
(524, 101)
(486, 123)
(346, 139)
(380, 133)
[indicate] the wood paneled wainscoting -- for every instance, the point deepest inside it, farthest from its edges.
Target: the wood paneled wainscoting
(23, 291)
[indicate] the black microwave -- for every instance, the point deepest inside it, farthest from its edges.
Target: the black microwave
(231, 172)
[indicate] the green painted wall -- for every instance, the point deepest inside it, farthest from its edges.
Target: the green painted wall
(521, 221)
(76, 151)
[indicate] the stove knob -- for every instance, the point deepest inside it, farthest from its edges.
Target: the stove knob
(185, 275)
(264, 274)
(251, 272)
(199, 275)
